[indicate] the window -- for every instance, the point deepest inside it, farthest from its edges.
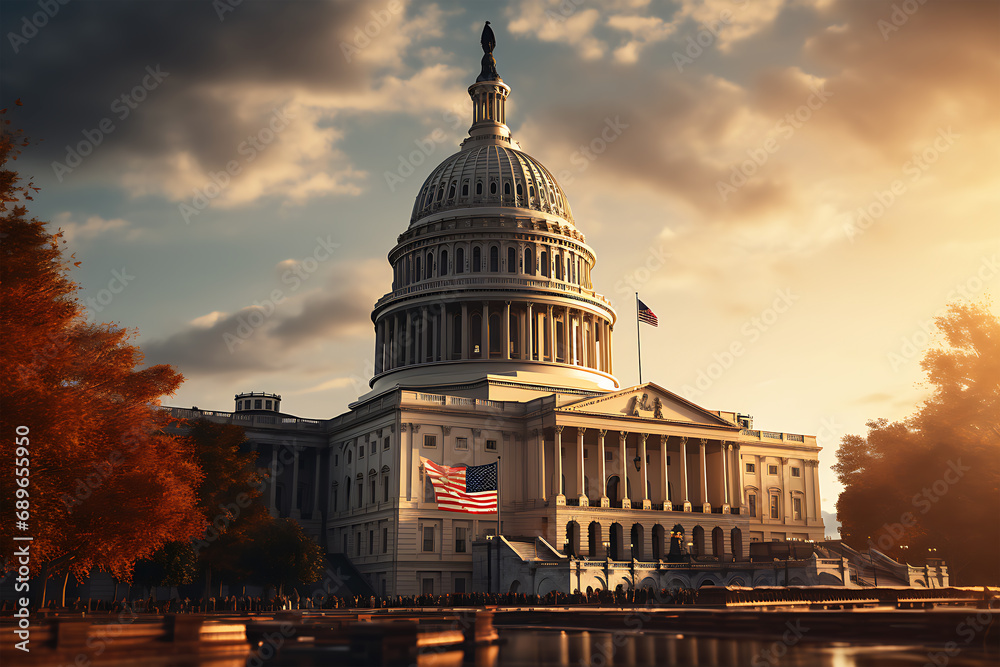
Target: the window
(385, 487)
(493, 188)
(361, 497)
(460, 260)
(451, 191)
(529, 261)
(520, 190)
(774, 505)
(385, 443)
(796, 508)
(479, 188)
(752, 504)
(494, 259)
(796, 472)
(465, 189)
(428, 538)
(371, 542)
(506, 188)
(371, 486)
(460, 540)
(267, 404)
(357, 544)
(385, 540)
(443, 269)
(462, 443)
(751, 467)
(491, 445)
(361, 451)
(772, 470)
(373, 449)
(430, 441)
(477, 259)
(256, 404)
(511, 260)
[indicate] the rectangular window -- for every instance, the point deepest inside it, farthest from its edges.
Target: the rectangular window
(267, 405)
(385, 488)
(371, 495)
(459, 584)
(385, 540)
(459, 540)
(796, 508)
(361, 451)
(361, 493)
(428, 538)
(796, 472)
(430, 441)
(752, 504)
(751, 467)
(772, 470)
(256, 404)
(373, 449)
(491, 445)
(461, 443)
(385, 443)
(371, 542)
(774, 506)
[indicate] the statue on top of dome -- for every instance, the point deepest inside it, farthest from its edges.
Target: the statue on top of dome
(489, 42)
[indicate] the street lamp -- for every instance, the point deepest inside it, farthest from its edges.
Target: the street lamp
(607, 565)
(489, 564)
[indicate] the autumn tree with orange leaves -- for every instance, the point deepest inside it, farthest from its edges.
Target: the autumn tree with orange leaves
(106, 485)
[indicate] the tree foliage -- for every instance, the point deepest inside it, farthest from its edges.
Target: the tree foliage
(930, 485)
(108, 486)
(280, 554)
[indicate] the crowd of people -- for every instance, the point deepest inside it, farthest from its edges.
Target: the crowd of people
(241, 604)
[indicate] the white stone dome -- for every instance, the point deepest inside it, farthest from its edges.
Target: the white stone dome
(493, 176)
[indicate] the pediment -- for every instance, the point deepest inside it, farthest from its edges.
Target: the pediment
(647, 401)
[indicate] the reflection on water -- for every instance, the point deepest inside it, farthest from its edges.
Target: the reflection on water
(545, 648)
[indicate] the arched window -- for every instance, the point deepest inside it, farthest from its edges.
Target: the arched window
(529, 261)
(545, 263)
(460, 260)
(477, 259)
(406, 270)
(511, 260)
(559, 266)
(494, 259)
(531, 191)
(493, 188)
(479, 187)
(440, 193)
(451, 191)
(520, 190)
(465, 189)
(476, 335)
(430, 265)
(443, 266)
(506, 188)
(416, 268)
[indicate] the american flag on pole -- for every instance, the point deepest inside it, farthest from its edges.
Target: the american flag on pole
(646, 315)
(464, 488)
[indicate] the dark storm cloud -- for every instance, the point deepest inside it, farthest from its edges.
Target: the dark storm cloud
(326, 316)
(91, 53)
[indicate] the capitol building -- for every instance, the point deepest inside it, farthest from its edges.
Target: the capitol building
(492, 343)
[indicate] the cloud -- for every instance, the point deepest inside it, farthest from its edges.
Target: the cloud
(93, 227)
(550, 22)
(643, 30)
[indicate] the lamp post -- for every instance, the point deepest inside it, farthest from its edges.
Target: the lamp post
(489, 564)
(631, 567)
(607, 565)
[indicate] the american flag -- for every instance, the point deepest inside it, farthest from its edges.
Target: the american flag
(646, 315)
(464, 489)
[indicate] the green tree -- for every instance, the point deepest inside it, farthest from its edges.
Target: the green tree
(930, 485)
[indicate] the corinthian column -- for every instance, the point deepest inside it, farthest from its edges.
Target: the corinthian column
(643, 473)
(560, 497)
(706, 506)
(623, 470)
(602, 472)
(684, 475)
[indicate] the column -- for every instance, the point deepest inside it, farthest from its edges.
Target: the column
(295, 484)
(408, 340)
(484, 347)
(552, 334)
(684, 475)
(273, 481)
(567, 349)
(643, 472)
(315, 511)
(611, 358)
(523, 324)
(436, 338)
(602, 469)
(465, 331)
(445, 334)
(706, 506)
(737, 473)
(506, 329)
(623, 471)
(817, 495)
(580, 472)
(786, 492)
(379, 347)
(529, 339)
(725, 476)
(540, 448)
(560, 497)
(396, 347)
(665, 473)
(422, 338)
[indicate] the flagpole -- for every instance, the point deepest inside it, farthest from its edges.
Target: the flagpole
(638, 336)
(498, 524)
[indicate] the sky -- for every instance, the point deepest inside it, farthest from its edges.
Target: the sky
(796, 188)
